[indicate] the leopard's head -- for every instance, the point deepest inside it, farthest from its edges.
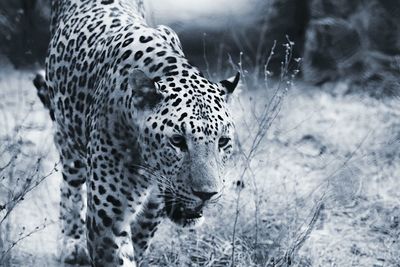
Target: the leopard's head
(186, 136)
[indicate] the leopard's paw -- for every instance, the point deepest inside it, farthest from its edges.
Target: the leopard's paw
(74, 251)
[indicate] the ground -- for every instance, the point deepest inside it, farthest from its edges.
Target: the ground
(320, 186)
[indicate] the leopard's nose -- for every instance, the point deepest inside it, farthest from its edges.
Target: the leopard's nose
(203, 195)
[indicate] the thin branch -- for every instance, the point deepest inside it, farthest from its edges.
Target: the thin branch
(14, 243)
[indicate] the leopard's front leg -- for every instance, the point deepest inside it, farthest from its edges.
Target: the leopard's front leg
(109, 241)
(115, 197)
(145, 225)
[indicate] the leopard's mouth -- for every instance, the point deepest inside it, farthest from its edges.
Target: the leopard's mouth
(183, 216)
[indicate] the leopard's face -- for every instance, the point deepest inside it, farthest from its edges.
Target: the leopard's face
(188, 138)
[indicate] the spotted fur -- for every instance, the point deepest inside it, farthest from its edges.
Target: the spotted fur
(136, 123)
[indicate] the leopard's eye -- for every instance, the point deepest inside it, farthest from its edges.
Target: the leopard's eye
(178, 141)
(223, 141)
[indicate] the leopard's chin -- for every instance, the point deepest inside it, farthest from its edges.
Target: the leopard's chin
(184, 217)
(189, 223)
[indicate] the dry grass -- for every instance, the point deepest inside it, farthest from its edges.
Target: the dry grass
(314, 181)
(24, 164)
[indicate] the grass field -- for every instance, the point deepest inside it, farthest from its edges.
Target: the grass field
(317, 185)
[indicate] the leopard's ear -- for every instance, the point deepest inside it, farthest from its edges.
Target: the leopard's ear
(230, 84)
(146, 91)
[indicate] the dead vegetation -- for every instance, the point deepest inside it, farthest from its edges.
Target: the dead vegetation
(313, 182)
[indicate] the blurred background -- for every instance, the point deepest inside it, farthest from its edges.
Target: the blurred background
(359, 39)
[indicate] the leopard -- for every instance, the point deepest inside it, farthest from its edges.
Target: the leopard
(142, 135)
